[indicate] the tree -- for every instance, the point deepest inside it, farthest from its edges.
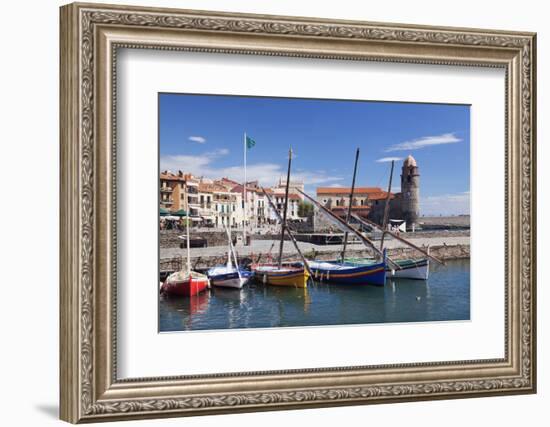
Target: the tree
(305, 209)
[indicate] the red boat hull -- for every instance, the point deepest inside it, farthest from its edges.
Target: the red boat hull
(186, 288)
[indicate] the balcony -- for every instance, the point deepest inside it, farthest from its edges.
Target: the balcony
(168, 202)
(166, 189)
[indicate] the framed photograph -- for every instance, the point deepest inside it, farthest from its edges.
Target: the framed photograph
(265, 213)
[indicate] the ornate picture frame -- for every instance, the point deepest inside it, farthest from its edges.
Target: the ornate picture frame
(90, 37)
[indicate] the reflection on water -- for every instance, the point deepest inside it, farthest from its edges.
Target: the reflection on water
(445, 296)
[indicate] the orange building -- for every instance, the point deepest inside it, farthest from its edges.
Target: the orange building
(172, 191)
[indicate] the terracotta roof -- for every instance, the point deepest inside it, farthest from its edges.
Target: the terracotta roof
(347, 190)
(229, 181)
(381, 196)
(353, 208)
(211, 188)
(169, 176)
(239, 189)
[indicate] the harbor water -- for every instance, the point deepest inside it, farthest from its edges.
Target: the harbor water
(444, 296)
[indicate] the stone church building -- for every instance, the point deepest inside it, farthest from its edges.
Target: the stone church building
(369, 202)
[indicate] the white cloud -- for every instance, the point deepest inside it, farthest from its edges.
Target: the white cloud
(389, 159)
(267, 174)
(314, 178)
(446, 204)
(426, 141)
(197, 139)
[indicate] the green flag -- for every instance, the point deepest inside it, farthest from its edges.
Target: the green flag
(250, 142)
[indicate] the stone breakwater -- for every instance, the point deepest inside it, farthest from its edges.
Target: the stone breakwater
(202, 258)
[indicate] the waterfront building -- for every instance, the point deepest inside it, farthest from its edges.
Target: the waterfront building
(293, 187)
(191, 198)
(369, 202)
(256, 204)
(292, 208)
(171, 190)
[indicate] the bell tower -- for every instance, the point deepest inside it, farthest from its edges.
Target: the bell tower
(410, 190)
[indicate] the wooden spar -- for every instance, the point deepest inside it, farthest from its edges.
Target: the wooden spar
(365, 240)
(283, 223)
(348, 217)
(364, 221)
(386, 208)
(294, 242)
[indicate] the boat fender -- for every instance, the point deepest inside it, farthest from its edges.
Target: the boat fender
(328, 275)
(264, 279)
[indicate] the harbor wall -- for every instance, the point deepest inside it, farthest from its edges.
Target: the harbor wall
(443, 252)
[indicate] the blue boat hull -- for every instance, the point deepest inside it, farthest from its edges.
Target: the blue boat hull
(374, 274)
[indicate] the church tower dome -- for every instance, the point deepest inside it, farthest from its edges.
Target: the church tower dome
(409, 161)
(410, 190)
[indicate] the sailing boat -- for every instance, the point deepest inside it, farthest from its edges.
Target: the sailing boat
(185, 282)
(343, 272)
(412, 268)
(292, 274)
(229, 276)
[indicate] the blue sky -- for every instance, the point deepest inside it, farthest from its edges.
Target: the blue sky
(203, 134)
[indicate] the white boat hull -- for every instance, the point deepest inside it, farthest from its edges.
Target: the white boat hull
(236, 283)
(416, 273)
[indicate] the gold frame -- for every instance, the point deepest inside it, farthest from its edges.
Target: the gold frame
(90, 36)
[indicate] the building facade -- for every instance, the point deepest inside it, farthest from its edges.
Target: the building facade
(171, 191)
(219, 203)
(369, 202)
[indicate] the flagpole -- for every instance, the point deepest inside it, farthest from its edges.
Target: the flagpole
(244, 191)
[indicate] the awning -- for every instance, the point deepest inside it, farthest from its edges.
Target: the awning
(164, 212)
(181, 212)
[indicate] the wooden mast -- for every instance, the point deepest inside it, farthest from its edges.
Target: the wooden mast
(292, 238)
(365, 240)
(386, 208)
(283, 224)
(348, 217)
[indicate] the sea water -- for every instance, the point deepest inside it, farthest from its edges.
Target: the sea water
(444, 296)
